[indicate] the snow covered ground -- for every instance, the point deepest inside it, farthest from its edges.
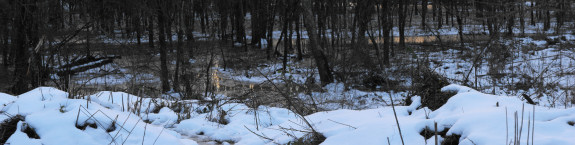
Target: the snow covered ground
(542, 69)
(469, 117)
(58, 120)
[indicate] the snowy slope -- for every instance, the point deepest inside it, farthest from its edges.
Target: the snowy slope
(58, 120)
(478, 118)
(118, 118)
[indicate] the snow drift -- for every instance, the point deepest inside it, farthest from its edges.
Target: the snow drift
(470, 117)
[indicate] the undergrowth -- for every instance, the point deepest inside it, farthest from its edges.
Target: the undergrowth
(308, 139)
(427, 84)
(8, 127)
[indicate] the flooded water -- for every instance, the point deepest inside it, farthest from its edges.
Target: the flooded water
(414, 39)
(433, 39)
(425, 39)
(224, 84)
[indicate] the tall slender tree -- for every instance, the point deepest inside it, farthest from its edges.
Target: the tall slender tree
(321, 61)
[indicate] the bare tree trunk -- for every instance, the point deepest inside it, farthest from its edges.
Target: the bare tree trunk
(163, 56)
(21, 54)
(532, 15)
(401, 23)
(286, 41)
(259, 20)
(521, 17)
(286, 19)
(364, 9)
(547, 23)
(325, 73)
(560, 15)
(151, 32)
(178, 60)
(270, 28)
(387, 25)
(189, 21)
(423, 13)
(298, 39)
(239, 23)
(5, 44)
(437, 5)
(138, 24)
(460, 26)
(26, 30)
(510, 18)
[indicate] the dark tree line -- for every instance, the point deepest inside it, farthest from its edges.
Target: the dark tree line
(35, 33)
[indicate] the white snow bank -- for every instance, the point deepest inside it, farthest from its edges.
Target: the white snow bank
(123, 101)
(20, 138)
(478, 118)
(240, 118)
(453, 88)
(6, 99)
(61, 121)
(36, 100)
(487, 119)
(355, 99)
(165, 117)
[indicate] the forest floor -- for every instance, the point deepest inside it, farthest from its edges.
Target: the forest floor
(251, 100)
(538, 66)
(469, 117)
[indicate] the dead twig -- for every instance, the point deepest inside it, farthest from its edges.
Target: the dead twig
(396, 120)
(342, 124)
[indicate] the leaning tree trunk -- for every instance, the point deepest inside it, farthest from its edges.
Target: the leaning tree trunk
(320, 59)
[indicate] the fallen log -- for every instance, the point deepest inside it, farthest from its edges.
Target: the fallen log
(84, 64)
